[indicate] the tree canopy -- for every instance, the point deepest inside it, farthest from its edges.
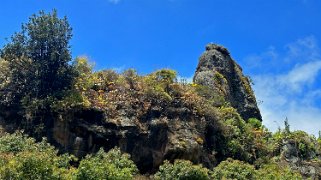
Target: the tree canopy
(37, 59)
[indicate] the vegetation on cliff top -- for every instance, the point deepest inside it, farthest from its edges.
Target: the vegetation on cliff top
(38, 81)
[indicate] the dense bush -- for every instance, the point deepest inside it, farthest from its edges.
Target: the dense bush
(234, 169)
(255, 123)
(22, 158)
(275, 172)
(111, 165)
(306, 144)
(182, 170)
(157, 84)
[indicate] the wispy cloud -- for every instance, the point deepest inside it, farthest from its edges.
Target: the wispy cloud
(114, 1)
(292, 91)
(301, 75)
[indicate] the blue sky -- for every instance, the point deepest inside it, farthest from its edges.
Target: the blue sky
(276, 42)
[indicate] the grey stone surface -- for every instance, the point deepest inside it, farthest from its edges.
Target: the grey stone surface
(217, 70)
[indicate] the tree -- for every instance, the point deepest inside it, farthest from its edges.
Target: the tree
(38, 59)
(287, 125)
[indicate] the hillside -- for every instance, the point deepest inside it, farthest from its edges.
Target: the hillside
(163, 125)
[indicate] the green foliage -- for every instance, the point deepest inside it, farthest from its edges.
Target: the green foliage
(4, 71)
(16, 142)
(158, 84)
(246, 141)
(238, 136)
(167, 76)
(306, 145)
(106, 78)
(319, 143)
(132, 78)
(28, 165)
(22, 158)
(84, 69)
(36, 70)
(234, 169)
(255, 123)
(276, 172)
(77, 95)
(219, 78)
(39, 83)
(38, 58)
(182, 170)
(111, 165)
(211, 97)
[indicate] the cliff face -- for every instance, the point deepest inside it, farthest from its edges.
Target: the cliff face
(166, 131)
(153, 118)
(154, 122)
(218, 71)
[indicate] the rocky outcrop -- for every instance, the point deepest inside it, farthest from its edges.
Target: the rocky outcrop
(151, 118)
(309, 166)
(166, 131)
(218, 71)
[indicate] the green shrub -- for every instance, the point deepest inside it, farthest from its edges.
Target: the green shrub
(182, 170)
(84, 70)
(157, 84)
(255, 123)
(16, 142)
(22, 158)
(111, 165)
(306, 145)
(234, 169)
(276, 172)
(166, 75)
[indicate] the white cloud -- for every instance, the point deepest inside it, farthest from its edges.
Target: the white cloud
(293, 91)
(304, 50)
(301, 76)
(114, 1)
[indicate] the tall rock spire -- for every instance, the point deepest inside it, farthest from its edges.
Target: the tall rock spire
(218, 71)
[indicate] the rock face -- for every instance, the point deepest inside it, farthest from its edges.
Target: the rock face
(306, 166)
(218, 71)
(167, 131)
(152, 123)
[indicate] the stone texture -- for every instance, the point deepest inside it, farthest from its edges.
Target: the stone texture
(309, 168)
(217, 70)
(167, 131)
